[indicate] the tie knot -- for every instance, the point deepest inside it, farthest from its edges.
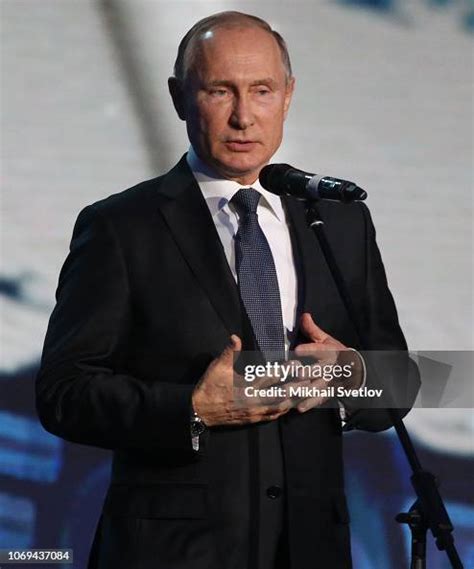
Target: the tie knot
(246, 201)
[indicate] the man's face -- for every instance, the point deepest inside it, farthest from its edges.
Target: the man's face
(235, 101)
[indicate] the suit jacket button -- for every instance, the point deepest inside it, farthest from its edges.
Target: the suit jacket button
(273, 492)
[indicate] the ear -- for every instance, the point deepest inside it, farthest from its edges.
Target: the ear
(290, 87)
(177, 94)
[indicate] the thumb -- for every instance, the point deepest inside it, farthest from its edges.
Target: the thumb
(311, 329)
(234, 346)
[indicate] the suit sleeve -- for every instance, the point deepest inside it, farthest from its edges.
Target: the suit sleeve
(81, 393)
(388, 364)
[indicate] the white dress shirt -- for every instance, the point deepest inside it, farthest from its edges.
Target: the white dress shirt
(272, 219)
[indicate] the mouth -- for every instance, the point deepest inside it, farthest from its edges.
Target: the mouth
(241, 145)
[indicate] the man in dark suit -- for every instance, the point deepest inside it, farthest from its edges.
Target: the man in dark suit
(152, 303)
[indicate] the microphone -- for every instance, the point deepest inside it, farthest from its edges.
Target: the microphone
(283, 179)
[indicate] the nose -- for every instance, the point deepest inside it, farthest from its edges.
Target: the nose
(242, 114)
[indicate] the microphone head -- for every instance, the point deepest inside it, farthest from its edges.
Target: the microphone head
(350, 192)
(283, 179)
(273, 178)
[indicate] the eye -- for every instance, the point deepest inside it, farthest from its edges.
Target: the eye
(262, 91)
(218, 92)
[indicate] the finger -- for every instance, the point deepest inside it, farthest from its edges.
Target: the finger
(276, 407)
(323, 355)
(312, 347)
(276, 415)
(311, 329)
(259, 414)
(273, 412)
(310, 403)
(284, 406)
(266, 409)
(235, 345)
(264, 382)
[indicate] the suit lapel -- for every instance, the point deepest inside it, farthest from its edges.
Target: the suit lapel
(187, 215)
(306, 253)
(317, 292)
(185, 211)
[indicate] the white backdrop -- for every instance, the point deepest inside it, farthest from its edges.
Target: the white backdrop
(384, 97)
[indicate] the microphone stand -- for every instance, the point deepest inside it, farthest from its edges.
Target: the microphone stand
(428, 511)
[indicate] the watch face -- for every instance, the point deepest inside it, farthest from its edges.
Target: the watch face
(197, 428)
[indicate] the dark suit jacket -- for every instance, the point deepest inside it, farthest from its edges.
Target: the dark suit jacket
(145, 301)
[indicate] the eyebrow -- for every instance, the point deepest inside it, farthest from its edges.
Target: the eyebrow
(224, 83)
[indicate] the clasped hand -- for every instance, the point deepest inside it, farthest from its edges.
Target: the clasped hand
(217, 400)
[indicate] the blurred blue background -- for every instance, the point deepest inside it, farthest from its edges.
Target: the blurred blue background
(384, 97)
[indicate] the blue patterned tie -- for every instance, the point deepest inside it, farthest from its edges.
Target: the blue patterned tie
(260, 295)
(257, 277)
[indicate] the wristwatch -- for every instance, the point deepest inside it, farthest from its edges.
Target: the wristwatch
(197, 429)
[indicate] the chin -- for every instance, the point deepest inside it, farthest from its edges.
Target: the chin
(243, 167)
(240, 173)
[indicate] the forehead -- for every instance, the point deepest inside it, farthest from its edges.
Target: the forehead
(237, 50)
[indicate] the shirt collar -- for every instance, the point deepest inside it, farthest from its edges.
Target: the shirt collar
(218, 191)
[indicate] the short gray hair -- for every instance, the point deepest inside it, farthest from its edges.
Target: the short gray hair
(186, 47)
